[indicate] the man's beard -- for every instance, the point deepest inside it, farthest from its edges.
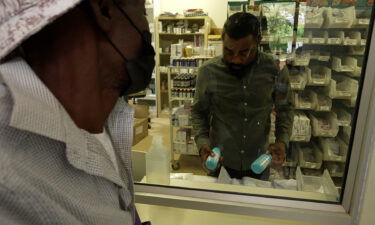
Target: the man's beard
(237, 70)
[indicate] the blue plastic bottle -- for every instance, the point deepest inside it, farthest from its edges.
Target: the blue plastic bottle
(211, 162)
(261, 163)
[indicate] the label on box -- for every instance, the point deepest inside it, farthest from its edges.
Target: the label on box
(138, 130)
(350, 42)
(303, 40)
(323, 58)
(317, 40)
(334, 41)
(363, 21)
(341, 20)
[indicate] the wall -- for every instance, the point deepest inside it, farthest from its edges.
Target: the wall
(367, 215)
(217, 9)
(160, 215)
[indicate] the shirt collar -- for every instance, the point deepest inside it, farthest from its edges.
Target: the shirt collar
(37, 110)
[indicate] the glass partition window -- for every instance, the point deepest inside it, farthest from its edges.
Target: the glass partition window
(300, 91)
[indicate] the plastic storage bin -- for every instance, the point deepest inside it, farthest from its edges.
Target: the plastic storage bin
(352, 38)
(301, 59)
(324, 56)
(301, 130)
(339, 18)
(357, 50)
(309, 156)
(321, 184)
(356, 72)
(322, 102)
(346, 64)
(286, 40)
(267, 37)
(350, 103)
(324, 124)
(232, 9)
(319, 76)
(306, 38)
(342, 88)
(304, 100)
(363, 38)
(361, 22)
(345, 134)
(314, 17)
(335, 169)
(319, 37)
(320, 55)
(291, 159)
(343, 117)
(298, 78)
(334, 149)
(335, 37)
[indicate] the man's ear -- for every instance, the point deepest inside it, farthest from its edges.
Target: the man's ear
(102, 11)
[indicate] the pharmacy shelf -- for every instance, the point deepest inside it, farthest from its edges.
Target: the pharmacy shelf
(187, 34)
(182, 18)
(316, 154)
(162, 37)
(181, 99)
(328, 145)
(177, 126)
(149, 98)
(335, 169)
(184, 67)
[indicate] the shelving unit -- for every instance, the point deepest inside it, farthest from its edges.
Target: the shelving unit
(169, 31)
(324, 71)
(186, 146)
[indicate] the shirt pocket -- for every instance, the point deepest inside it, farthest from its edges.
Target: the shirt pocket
(262, 89)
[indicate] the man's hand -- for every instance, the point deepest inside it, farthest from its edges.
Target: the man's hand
(205, 152)
(277, 151)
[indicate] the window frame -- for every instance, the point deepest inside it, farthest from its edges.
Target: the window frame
(342, 213)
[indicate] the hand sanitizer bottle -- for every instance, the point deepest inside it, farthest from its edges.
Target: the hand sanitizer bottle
(211, 162)
(261, 163)
(158, 164)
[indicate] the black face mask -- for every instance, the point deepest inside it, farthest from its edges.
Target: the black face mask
(140, 68)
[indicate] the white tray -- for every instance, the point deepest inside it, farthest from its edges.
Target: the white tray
(322, 184)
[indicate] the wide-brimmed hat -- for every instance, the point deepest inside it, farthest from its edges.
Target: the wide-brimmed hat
(19, 19)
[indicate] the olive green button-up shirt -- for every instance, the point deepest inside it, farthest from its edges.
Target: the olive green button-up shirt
(233, 113)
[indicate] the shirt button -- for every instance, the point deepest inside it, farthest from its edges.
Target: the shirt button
(242, 151)
(244, 86)
(245, 103)
(244, 136)
(245, 119)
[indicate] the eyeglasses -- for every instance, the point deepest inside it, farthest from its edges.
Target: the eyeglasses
(243, 54)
